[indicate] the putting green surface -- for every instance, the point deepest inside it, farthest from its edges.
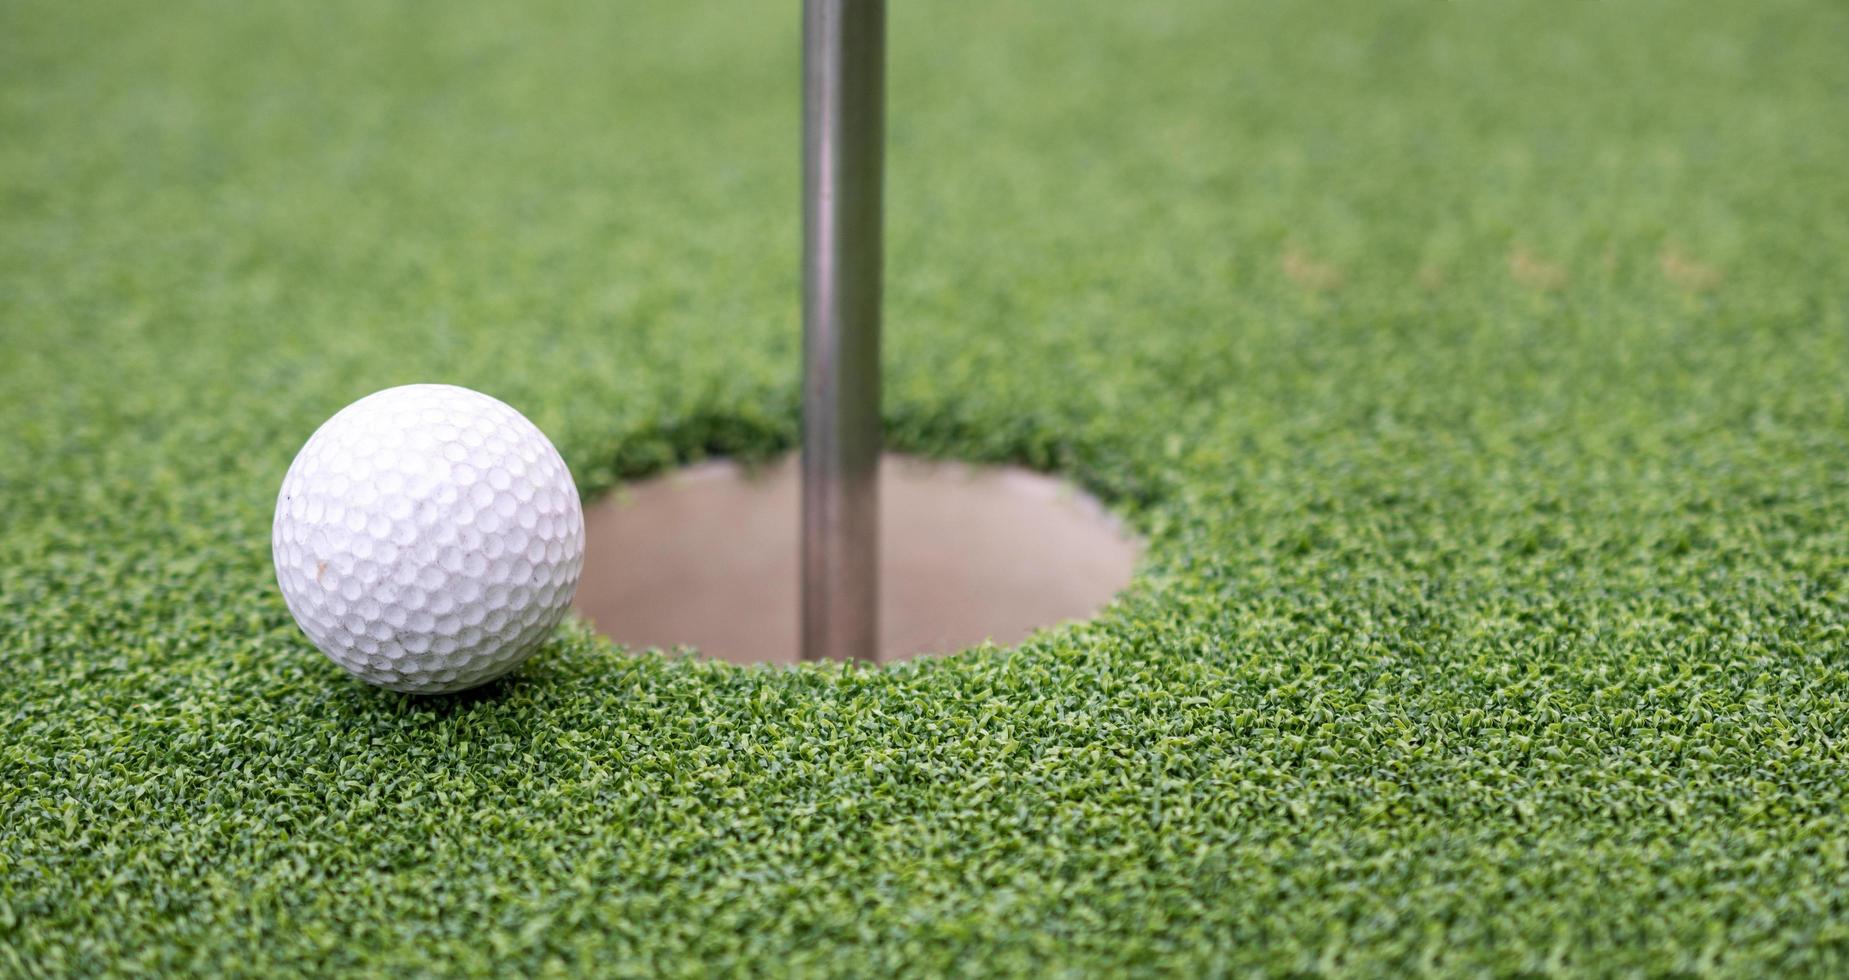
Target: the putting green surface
(1477, 374)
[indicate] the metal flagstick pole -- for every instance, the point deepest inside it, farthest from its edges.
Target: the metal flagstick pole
(844, 85)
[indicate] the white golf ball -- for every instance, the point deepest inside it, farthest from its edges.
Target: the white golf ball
(427, 538)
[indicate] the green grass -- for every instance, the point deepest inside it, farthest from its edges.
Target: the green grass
(1479, 374)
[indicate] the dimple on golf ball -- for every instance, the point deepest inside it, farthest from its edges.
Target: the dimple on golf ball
(427, 538)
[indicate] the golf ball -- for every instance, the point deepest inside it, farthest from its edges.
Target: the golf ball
(427, 538)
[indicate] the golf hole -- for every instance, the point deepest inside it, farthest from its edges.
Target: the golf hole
(706, 557)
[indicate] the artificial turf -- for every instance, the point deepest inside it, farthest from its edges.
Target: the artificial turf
(1475, 371)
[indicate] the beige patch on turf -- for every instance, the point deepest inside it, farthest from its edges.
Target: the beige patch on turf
(1687, 273)
(1309, 273)
(1535, 272)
